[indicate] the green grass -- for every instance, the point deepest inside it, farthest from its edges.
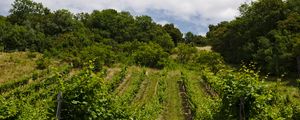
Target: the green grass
(173, 106)
(205, 105)
(147, 104)
(291, 92)
(16, 65)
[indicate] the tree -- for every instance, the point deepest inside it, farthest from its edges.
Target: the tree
(184, 52)
(22, 38)
(195, 39)
(3, 30)
(112, 24)
(101, 52)
(264, 33)
(62, 21)
(275, 53)
(174, 33)
(165, 41)
(23, 9)
(144, 28)
(294, 5)
(151, 55)
(189, 37)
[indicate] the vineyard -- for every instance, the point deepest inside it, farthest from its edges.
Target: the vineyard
(110, 64)
(133, 92)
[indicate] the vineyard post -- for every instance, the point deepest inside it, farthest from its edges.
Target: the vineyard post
(242, 109)
(59, 100)
(298, 64)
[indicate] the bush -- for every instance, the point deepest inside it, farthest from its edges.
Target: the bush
(151, 55)
(99, 53)
(42, 63)
(244, 95)
(211, 59)
(165, 41)
(184, 52)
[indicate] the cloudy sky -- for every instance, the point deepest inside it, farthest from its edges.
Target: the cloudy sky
(188, 15)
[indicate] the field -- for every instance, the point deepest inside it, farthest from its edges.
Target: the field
(111, 64)
(172, 93)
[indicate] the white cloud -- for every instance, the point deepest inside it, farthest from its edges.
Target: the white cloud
(162, 22)
(203, 12)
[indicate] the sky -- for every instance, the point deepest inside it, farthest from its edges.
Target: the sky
(187, 15)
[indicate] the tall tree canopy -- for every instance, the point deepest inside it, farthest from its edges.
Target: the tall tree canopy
(31, 26)
(174, 33)
(267, 32)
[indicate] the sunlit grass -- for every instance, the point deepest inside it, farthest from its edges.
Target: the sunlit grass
(16, 65)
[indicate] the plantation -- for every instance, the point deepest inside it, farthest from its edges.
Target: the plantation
(109, 65)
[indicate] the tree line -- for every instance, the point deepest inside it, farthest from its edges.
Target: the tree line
(107, 35)
(267, 32)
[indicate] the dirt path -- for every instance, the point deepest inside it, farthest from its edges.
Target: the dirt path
(186, 107)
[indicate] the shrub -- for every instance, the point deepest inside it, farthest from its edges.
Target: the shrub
(42, 63)
(151, 55)
(245, 96)
(211, 59)
(184, 52)
(99, 53)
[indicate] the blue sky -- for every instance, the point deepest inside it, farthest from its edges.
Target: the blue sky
(187, 15)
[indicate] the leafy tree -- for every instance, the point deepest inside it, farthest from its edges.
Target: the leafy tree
(23, 9)
(184, 52)
(195, 39)
(189, 36)
(144, 24)
(174, 33)
(22, 38)
(151, 55)
(62, 21)
(111, 24)
(102, 55)
(213, 60)
(164, 40)
(265, 33)
(293, 5)
(3, 29)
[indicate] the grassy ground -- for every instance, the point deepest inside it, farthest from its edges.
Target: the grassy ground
(173, 106)
(207, 48)
(291, 92)
(126, 82)
(205, 105)
(147, 88)
(111, 72)
(16, 65)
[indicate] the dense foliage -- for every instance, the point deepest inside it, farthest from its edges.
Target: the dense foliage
(31, 26)
(266, 32)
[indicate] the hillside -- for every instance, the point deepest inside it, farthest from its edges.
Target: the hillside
(109, 64)
(128, 92)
